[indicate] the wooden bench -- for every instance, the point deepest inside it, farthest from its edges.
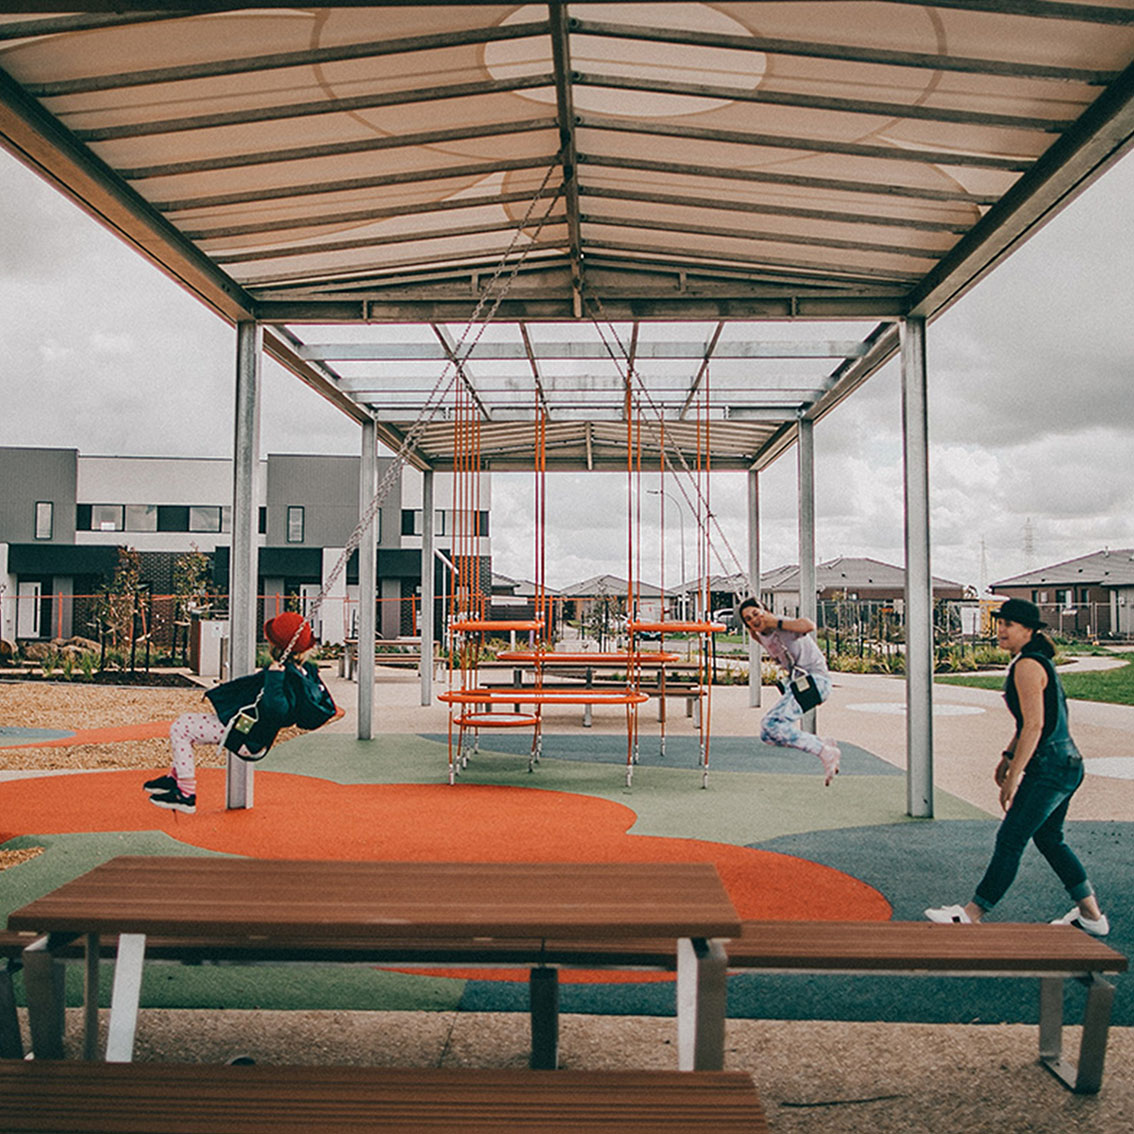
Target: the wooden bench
(1053, 954)
(157, 1098)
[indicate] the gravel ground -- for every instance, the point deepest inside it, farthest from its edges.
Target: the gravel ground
(69, 705)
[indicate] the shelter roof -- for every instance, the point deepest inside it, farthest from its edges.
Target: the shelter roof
(595, 167)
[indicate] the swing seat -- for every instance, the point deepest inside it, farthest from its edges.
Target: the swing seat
(497, 720)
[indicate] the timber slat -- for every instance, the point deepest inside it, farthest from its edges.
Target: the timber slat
(150, 1098)
(784, 945)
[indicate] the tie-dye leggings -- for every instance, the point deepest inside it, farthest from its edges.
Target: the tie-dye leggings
(781, 724)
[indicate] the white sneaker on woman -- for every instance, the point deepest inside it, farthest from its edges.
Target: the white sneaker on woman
(1095, 926)
(949, 915)
(830, 755)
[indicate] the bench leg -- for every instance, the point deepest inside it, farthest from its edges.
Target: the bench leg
(44, 985)
(11, 1042)
(1086, 1079)
(125, 996)
(702, 974)
(543, 988)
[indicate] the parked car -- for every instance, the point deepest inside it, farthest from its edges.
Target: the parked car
(726, 616)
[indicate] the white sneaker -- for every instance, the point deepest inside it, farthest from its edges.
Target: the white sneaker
(1095, 926)
(830, 755)
(949, 915)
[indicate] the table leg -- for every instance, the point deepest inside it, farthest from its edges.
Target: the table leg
(43, 983)
(125, 997)
(11, 1042)
(702, 974)
(543, 988)
(90, 998)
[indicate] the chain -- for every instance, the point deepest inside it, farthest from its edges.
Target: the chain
(623, 362)
(441, 388)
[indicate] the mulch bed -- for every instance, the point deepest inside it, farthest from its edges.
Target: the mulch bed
(75, 705)
(155, 679)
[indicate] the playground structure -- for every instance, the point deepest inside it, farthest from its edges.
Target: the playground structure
(475, 706)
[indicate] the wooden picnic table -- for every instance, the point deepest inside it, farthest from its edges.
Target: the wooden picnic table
(328, 902)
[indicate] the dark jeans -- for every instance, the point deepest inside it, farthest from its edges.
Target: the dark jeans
(1037, 813)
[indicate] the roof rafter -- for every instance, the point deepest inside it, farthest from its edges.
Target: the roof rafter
(852, 53)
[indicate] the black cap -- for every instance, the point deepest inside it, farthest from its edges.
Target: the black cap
(1021, 611)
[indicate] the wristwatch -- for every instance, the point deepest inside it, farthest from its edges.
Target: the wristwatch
(779, 623)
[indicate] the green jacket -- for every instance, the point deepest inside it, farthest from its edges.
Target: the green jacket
(294, 695)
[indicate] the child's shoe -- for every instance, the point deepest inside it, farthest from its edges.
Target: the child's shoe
(175, 800)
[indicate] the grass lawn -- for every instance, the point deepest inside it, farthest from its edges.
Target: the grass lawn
(1115, 686)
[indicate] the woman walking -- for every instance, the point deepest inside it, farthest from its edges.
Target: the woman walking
(1038, 774)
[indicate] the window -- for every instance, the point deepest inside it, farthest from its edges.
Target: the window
(205, 519)
(263, 521)
(172, 518)
(295, 523)
(411, 522)
(44, 519)
(108, 518)
(141, 518)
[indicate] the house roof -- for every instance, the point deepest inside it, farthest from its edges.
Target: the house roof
(577, 173)
(1106, 568)
(599, 585)
(848, 573)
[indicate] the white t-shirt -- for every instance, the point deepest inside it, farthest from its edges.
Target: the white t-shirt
(793, 651)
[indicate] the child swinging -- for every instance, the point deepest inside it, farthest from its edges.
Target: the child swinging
(248, 712)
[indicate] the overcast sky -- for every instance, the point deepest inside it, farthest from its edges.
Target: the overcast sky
(1031, 404)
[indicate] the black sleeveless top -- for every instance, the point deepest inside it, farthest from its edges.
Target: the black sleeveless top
(1055, 754)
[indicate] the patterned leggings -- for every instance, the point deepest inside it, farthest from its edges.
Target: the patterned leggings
(187, 730)
(781, 724)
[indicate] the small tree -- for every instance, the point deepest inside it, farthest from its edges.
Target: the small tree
(192, 583)
(118, 601)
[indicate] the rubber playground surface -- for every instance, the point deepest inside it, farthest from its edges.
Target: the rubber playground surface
(786, 848)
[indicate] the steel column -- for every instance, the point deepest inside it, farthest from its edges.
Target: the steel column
(242, 565)
(754, 651)
(808, 606)
(919, 582)
(427, 569)
(367, 582)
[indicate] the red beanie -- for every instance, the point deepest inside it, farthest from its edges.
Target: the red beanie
(281, 629)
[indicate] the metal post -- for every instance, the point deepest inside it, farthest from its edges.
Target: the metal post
(367, 582)
(808, 607)
(427, 569)
(919, 583)
(754, 652)
(242, 566)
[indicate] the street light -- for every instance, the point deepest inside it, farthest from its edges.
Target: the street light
(681, 518)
